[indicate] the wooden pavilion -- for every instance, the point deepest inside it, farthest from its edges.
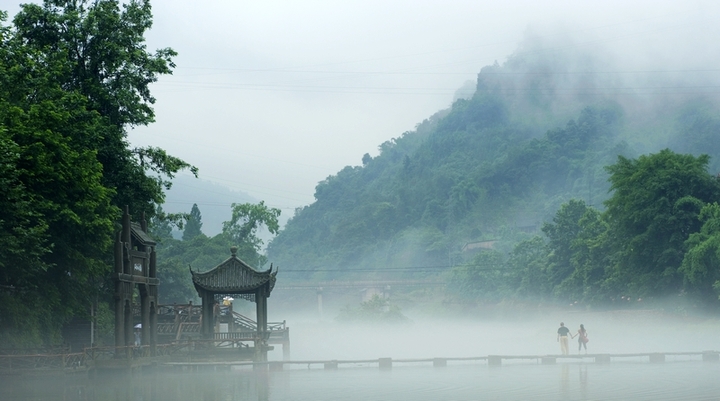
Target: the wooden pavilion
(235, 278)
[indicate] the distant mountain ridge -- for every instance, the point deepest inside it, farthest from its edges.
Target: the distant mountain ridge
(538, 131)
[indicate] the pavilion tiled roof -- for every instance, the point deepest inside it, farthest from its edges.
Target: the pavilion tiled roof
(233, 276)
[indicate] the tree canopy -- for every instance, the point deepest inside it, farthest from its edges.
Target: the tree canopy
(701, 263)
(657, 238)
(74, 75)
(654, 208)
(202, 253)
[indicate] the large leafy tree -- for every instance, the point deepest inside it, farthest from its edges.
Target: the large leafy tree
(242, 228)
(175, 257)
(589, 257)
(74, 76)
(528, 263)
(653, 210)
(561, 234)
(57, 216)
(105, 59)
(701, 264)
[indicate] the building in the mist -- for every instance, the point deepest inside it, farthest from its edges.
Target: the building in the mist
(235, 278)
(135, 268)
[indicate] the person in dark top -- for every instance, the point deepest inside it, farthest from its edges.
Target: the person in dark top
(582, 338)
(562, 337)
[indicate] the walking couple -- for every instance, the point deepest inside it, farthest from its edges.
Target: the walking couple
(562, 337)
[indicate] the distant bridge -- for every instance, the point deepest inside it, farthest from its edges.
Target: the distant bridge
(320, 285)
(371, 287)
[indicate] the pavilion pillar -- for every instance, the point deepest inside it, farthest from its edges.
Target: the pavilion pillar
(119, 301)
(231, 324)
(144, 315)
(286, 344)
(261, 309)
(129, 337)
(207, 315)
(126, 227)
(119, 322)
(152, 273)
(127, 290)
(264, 314)
(153, 328)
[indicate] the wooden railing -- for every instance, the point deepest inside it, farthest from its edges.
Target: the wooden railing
(251, 325)
(35, 351)
(187, 328)
(276, 326)
(240, 335)
(244, 322)
(166, 328)
(184, 310)
(19, 361)
(42, 361)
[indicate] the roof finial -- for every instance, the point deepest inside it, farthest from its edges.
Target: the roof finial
(233, 250)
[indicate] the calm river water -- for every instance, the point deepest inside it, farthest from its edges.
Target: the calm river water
(624, 380)
(622, 332)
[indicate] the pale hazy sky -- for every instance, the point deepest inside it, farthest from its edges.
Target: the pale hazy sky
(271, 97)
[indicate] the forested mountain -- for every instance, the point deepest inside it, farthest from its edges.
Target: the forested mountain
(542, 133)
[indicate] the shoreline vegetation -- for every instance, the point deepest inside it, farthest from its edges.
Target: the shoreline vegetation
(534, 190)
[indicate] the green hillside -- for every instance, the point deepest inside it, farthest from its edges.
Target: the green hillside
(499, 167)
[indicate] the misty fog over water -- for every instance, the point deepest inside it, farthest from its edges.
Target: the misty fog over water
(679, 378)
(430, 339)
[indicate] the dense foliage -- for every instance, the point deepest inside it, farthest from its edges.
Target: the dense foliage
(646, 245)
(74, 76)
(201, 253)
(582, 198)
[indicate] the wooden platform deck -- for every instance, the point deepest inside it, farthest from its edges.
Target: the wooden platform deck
(12, 364)
(490, 360)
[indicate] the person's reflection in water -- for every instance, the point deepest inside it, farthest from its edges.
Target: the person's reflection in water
(564, 379)
(583, 381)
(262, 384)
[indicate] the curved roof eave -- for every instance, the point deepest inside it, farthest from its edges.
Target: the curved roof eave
(233, 276)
